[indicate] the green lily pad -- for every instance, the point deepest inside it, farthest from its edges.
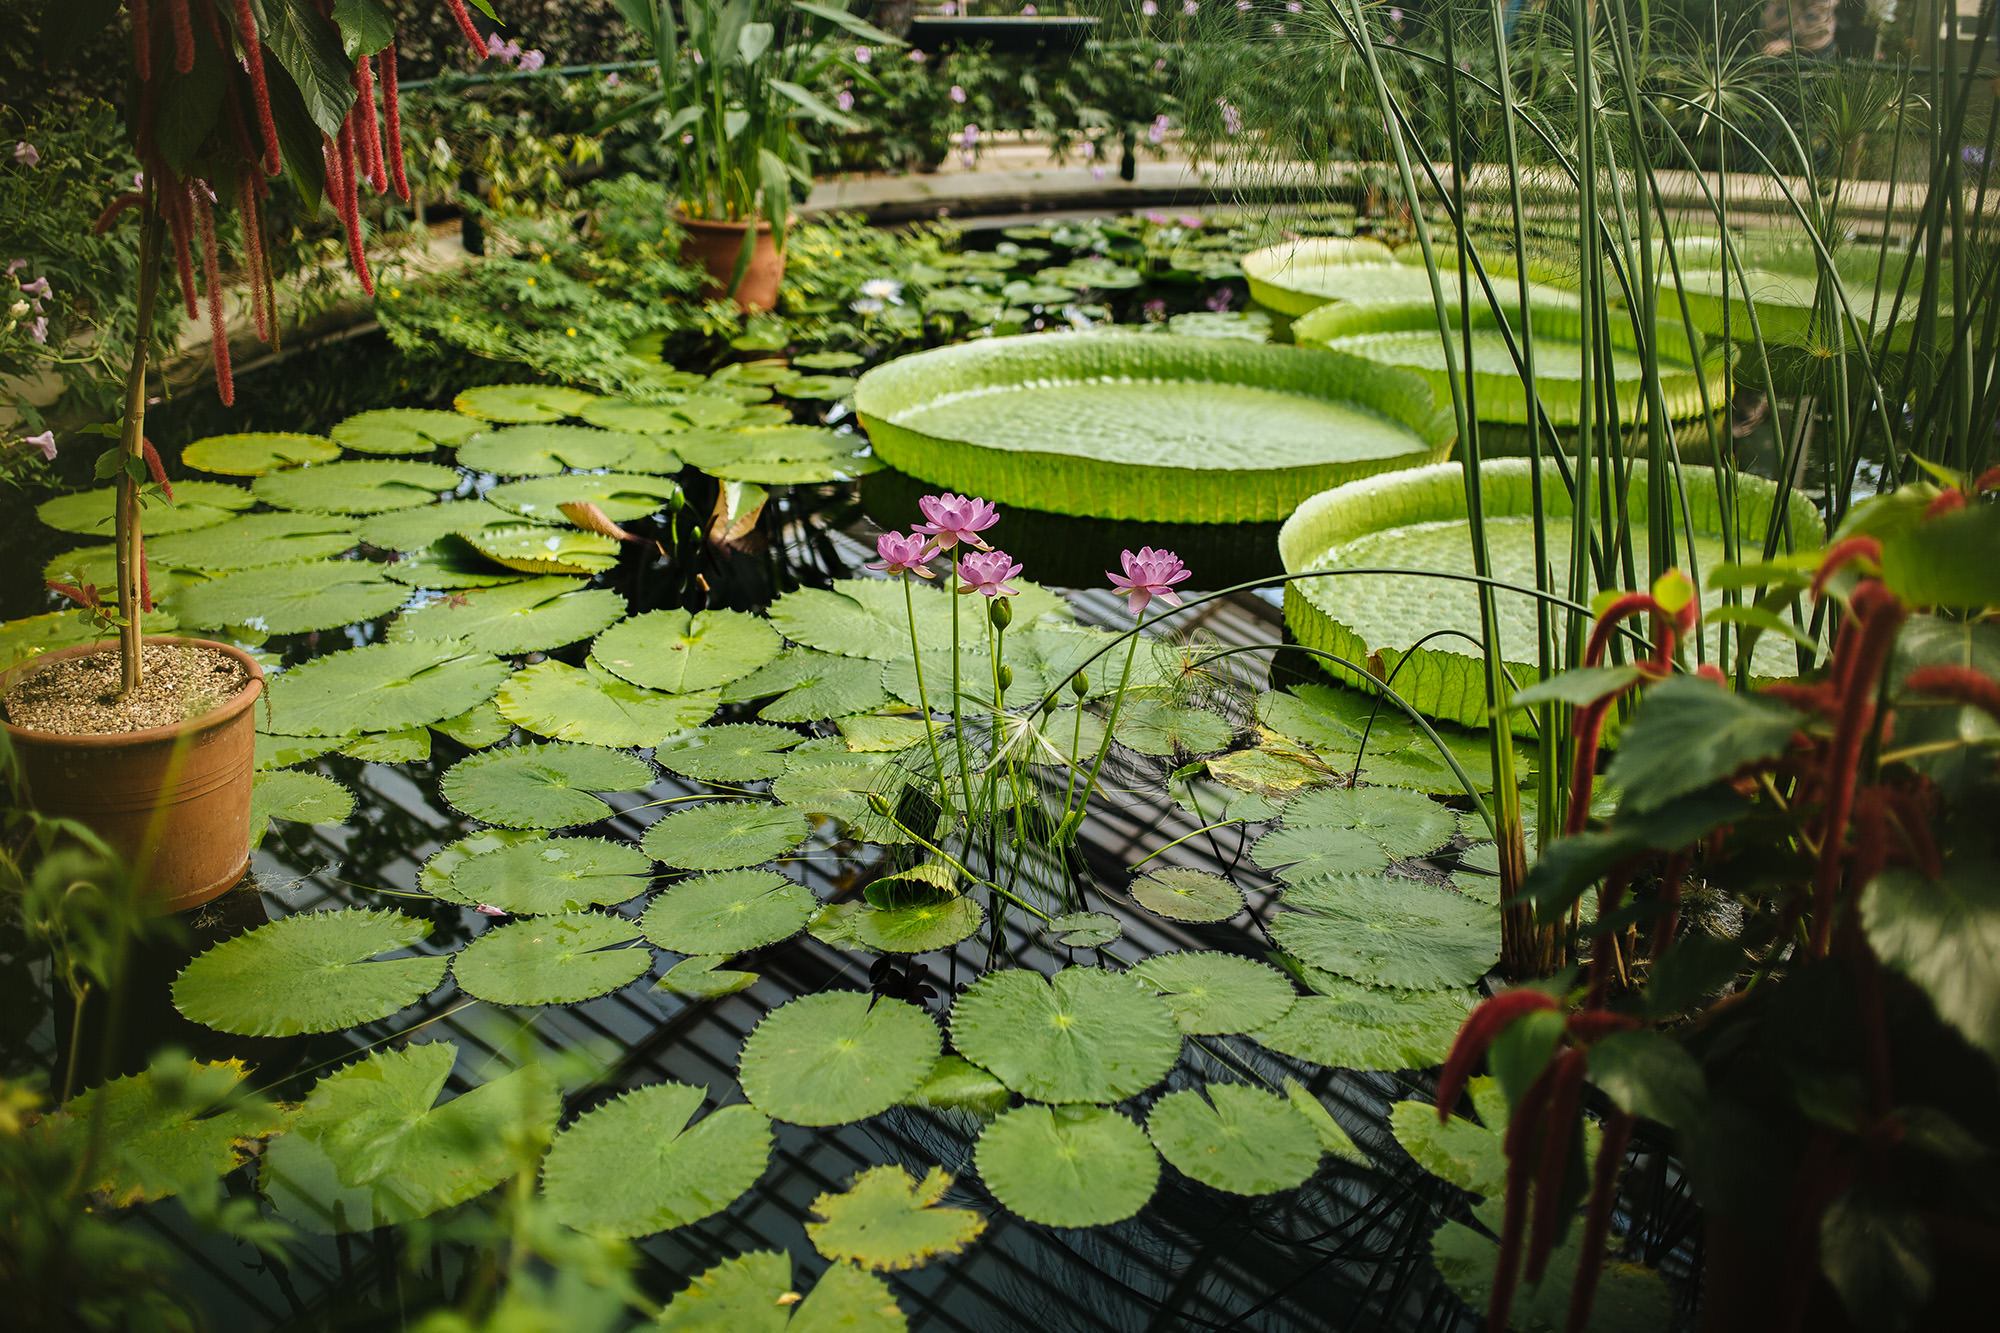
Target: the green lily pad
(678, 652)
(476, 728)
(1086, 1035)
(1085, 930)
(638, 418)
(567, 703)
(177, 1125)
(1181, 894)
(551, 960)
(283, 751)
(812, 686)
(731, 752)
(1161, 727)
(917, 927)
(705, 979)
(308, 973)
(1388, 932)
(541, 451)
(97, 565)
(383, 687)
(530, 616)
(623, 496)
(752, 1293)
(876, 733)
(730, 913)
(868, 618)
(1363, 1027)
(772, 452)
(289, 599)
(709, 410)
(542, 786)
(827, 360)
(523, 402)
(887, 1220)
(406, 745)
(1067, 1166)
(1235, 1138)
(449, 563)
(402, 430)
(594, 1182)
(1332, 1137)
(1402, 824)
(955, 1084)
(372, 1148)
(837, 1056)
(819, 386)
(256, 454)
(1212, 993)
(364, 486)
(253, 540)
(423, 527)
(548, 875)
(436, 876)
(302, 798)
(725, 835)
(837, 785)
(1630, 1298)
(534, 549)
(196, 504)
(1469, 1154)
(1301, 853)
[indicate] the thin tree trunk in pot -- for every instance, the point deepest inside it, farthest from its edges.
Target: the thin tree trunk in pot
(129, 552)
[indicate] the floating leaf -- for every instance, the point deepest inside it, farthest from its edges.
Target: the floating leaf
(1212, 993)
(256, 454)
(704, 979)
(252, 541)
(594, 1182)
(623, 496)
(542, 786)
(1085, 930)
(402, 430)
(1160, 727)
(530, 616)
(407, 745)
(886, 1220)
(731, 752)
(476, 728)
(1067, 1166)
(728, 913)
(308, 973)
(1332, 1137)
(838, 785)
(540, 451)
(1235, 1138)
(566, 703)
(752, 1293)
(551, 960)
(436, 876)
(827, 360)
(178, 1125)
(284, 751)
(917, 928)
(1363, 1027)
(196, 504)
(303, 798)
(554, 875)
(452, 563)
(837, 1056)
(1630, 1298)
(424, 526)
(523, 402)
(1402, 824)
(955, 1084)
(1086, 1035)
(1180, 894)
(868, 618)
(724, 835)
(817, 686)
(533, 549)
(383, 687)
(289, 599)
(370, 1148)
(366, 486)
(875, 733)
(639, 418)
(1468, 1154)
(677, 652)
(1388, 932)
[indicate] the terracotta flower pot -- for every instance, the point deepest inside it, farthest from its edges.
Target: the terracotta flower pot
(715, 246)
(189, 781)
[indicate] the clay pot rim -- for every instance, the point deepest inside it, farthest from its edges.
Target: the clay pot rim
(728, 224)
(112, 740)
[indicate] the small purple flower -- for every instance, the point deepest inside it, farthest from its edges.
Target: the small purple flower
(1190, 7)
(488, 909)
(494, 46)
(901, 554)
(968, 137)
(863, 55)
(1294, 7)
(951, 519)
(844, 100)
(1192, 221)
(1028, 10)
(46, 442)
(1157, 219)
(15, 266)
(1155, 309)
(26, 154)
(949, 8)
(1097, 173)
(1156, 133)
(39, 287)
(1221, 299)
(1149, 574)
(1395, 16)
(1972, 155)
(1243, 5)
(917, 57)
(39, 330)
(1149, 8)
(987, 572)
(1278, 28)
(138, 180)
(531, 61)
(1232, 119)
(612, 80)
(957, 94)
(1089, 149)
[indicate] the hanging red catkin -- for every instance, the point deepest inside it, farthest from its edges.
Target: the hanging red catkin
(211, 275)
(369, 126)
(177, 14)
(210, 22)
(465, 26)
(172, 203)
(145, 578)
(159, 473)
(253, 252)
(142, 40)
(350, 204)
(1558, 1129)
(1597, 1222)
(1514, 1208)
(253, 46)
(109, 217)
(394, 147)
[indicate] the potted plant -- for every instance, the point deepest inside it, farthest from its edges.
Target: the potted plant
(152, 744)
(734, 89)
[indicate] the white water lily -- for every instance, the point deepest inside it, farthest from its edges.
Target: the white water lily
(883, 289)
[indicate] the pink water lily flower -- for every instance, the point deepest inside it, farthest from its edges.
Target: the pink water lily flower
(488, 909)
(987, 572)
(1149, 574)
(951, 519)
(901, 554)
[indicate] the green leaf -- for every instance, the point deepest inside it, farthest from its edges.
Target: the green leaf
(1180, 894)
(551, 960)
(811, 104)
(1688, 733)
(1585, 685)
(539, 451)
(304, 43)
(623, 496)
(1757, 618)
(544, 875)
(174, 1127)
(729, 913)
(866, 31)
(289, 599)
(529, 616)
(1630, 1299)
(302, 798)
(383, 687)
(256, 454)
(725, 835)
(252, 541)
(752, 1294)
(437, 875)
(424, 526)
(837, 1056)
(704, 979)
(867, 618)
(1332, 1138)
(1086, 1035)
(565, 703)
(1879, 1256)
(477, 727)
(886, 1220)
(677, 652)
(1160, 727)
(370, 1148)
(1302, 853)
(827, 360)
(838, 785)
(1402, 824)
(284, 751)
(730, 752)
(1944, 934)
(402, 430)
(1067, 1166)
(1212, 993)
(534, 549)
(1235, 1138)
(1951, 561)
(595, 1182)
(1350, 1026)
(451, 563)
(956, 1084)
(1388, 932)
(196, 504)
(407, 745)
(523, 402)
(637, 418)
(1085, 930)
(1649, 1073)
(1468, 1154)
(917, 927)
(360, 486)
(542, 786)
(308, 973)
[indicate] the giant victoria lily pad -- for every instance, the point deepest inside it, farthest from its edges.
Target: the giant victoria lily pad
(1298, 277)
(1416, 520)
(1159, 428)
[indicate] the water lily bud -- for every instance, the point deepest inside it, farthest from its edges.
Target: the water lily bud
(1079, 684)
(879, 804)
(1006, 675)
(1001, 612)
